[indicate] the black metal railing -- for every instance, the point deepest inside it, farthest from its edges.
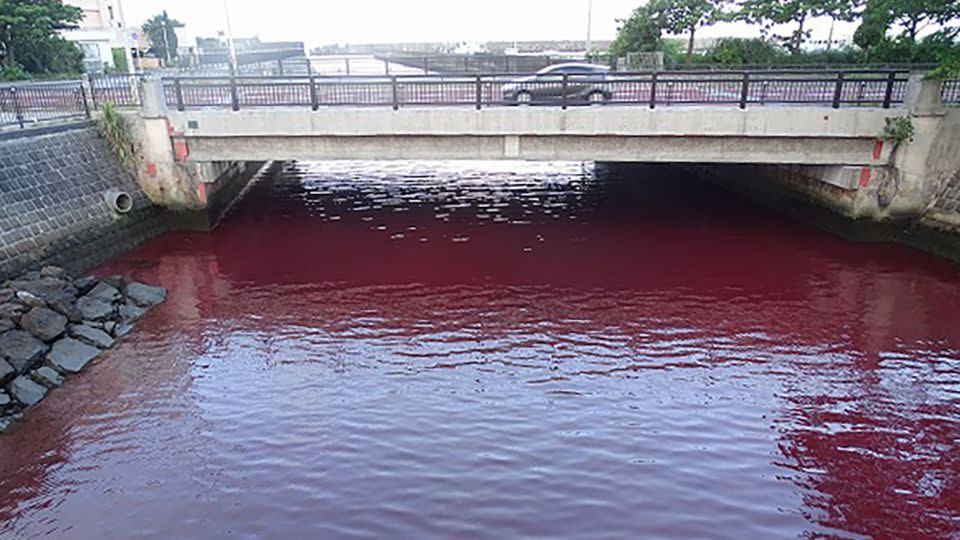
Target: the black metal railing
(832, 89)
(23, 104)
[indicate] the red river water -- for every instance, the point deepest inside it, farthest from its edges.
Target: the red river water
(507, 350)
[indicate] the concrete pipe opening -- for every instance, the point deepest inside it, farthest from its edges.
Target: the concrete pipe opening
(119, 201)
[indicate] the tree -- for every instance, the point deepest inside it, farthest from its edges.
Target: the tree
(916, 15)
(642, 32)
(161, 30)
(688, 15)
(875, 22)
(770, 13)
(740, 51)
(28, 34)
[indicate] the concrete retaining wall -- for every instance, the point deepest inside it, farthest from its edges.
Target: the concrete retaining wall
(52, 204)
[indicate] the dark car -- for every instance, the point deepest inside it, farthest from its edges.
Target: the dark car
(585, 84)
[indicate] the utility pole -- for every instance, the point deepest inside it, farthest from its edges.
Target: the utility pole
(166, 40)
(233, 48)
(126, 41)
(589, 27)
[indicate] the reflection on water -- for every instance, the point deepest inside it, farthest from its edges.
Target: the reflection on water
(499, 350)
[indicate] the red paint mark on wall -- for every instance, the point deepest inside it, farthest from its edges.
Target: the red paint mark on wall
(170, 131)
(202, 193)
(181, 150)
(152, 169)
(864, 177)
(877, 149)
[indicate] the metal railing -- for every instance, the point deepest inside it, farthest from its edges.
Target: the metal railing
(24, 104)
(950, 92)
(832, 89)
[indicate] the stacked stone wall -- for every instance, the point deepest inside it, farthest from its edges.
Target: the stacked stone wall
(53, 208)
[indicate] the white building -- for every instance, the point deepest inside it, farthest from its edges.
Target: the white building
(101, 30)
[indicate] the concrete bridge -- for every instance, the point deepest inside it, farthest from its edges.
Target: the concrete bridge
(833, 127)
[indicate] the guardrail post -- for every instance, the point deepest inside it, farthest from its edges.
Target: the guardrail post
(888, 93)
(314, 98)
(479, 92)
(83, 97)
(93, 92)
(280, 67)
(396, 92)
(745, 90)
(653, 91)
(16, 106)
(386, 67)
(838, 91)
(234, 95)
(563, 92)
(178, 89)
(347, 62)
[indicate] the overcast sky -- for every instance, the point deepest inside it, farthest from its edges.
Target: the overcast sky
(319, 22)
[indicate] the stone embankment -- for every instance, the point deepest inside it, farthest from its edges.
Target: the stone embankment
(52, 326)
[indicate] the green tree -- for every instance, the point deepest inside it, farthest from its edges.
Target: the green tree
(28, 34)
(641, 32)
(681, 16)
(916, 15)
(875, 21)
(740, 51)
(771, 13)
(161, 31)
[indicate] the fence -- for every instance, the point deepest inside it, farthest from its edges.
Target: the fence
(743, 89)
(29, 103)
(950, 92)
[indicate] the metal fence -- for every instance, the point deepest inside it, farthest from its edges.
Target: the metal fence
(24, 104)
(950, 92)
(743, 89)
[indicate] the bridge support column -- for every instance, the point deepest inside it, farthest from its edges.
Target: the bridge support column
(201, 190)
(926, 160)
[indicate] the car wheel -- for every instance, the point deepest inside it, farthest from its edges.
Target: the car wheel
(524, 98)
(597, 98)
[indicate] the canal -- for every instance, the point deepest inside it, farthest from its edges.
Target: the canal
(507, 350)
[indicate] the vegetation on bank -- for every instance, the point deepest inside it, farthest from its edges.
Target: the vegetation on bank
(114, 129)
(889, 32)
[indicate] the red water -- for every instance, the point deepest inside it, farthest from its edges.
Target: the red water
(471, 350)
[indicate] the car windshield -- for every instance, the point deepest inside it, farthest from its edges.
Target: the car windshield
(571, 69)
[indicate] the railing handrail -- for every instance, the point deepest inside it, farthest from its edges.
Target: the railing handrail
(831, 74)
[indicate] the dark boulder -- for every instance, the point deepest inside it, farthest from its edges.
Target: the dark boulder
(26, 390)
(71, 356)
(145, 295)
(48, 377)
(105, 293)
(95, 309)
(6, 372)
(129, 312)
(21, 350)
(42, 288)
(53, 272)
(66, 305)
(44, 323)
(30, 300)
(92, 336)
(85, 284)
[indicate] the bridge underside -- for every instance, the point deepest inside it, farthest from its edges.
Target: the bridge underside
(770, 150)
(775, 135)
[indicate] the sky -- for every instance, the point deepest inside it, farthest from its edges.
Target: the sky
(319, 22)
